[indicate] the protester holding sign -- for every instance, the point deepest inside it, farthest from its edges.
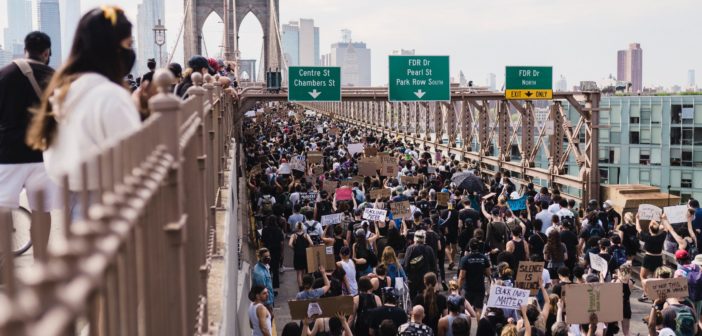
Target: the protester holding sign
(653, 247)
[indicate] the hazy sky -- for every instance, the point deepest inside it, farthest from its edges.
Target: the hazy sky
(579, 39)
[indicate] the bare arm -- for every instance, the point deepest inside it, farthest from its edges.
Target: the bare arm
(261, 313)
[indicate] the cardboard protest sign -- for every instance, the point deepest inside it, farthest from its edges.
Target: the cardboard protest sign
(649, 212)
(298, 163)
(507, 297)
(603, 299)
(317, 170)
(411, 179)
(371, 151)
(284, 169)
(598, 263)
(332, 219)
(676, 214)
(346, 183)
(329, 187)
(368, 166)
(374, 214)
(401, 210)
(329, 306)
(334, 131)
(529, 276)
(389, 170)
(320, 255)
(382, 193)
(672, 288)
(358, 178)
(431, 169)
(488, 196)
(443, 198)
(314, 156)
(344, 194)
(355, 148)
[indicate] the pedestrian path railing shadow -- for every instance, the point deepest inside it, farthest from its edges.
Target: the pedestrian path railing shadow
(138, 261)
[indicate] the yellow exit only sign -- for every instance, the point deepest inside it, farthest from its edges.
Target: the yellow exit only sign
(528, 94)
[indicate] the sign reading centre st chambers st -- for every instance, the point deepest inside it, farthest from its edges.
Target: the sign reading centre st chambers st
(528, 82)
(419, 78)
(311, 83)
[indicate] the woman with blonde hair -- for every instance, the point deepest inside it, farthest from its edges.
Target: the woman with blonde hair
(624, 277)
(628, 234)
(653, 240)
(392, 265)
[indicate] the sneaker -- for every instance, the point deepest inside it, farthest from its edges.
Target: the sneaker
(450, 266)
(643, 298)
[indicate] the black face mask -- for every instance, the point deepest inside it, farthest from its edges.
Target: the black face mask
(128, 58)
(266, 260)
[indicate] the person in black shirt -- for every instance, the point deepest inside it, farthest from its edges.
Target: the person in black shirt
(388, 311)
(474, 268)
(20, 166)
(570, 239)
(537, 241)
(149, 76)
(273, 239)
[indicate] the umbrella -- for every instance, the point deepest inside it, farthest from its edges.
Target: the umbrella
(468, 180)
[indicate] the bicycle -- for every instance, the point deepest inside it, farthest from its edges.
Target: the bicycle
(21, 226)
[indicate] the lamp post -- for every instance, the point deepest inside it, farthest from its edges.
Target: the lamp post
(160, 40)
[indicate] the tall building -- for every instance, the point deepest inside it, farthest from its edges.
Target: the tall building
(19, 24)
(354, 58)
(462, 81)
(691, 78)
(149, 12)
(300, 40)
(492, 81)
(290, 39)
(5, 57)
(70, 15)
(50, 23)
(562, 84)
(630, 66)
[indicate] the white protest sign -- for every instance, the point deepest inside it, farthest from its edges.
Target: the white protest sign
(320, 129)
(649, 212)
(284, 169)
(332, 219)
(355, 148)
(298, 163)
(314, 309)
(598, 263)
(507, 297)
(676, 214)
(374, 214)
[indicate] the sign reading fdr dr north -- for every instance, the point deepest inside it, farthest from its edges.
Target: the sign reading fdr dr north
(310, 83)
(528, 83)
(419, 78)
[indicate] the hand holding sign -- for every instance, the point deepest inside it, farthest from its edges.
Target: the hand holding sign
(649, 212)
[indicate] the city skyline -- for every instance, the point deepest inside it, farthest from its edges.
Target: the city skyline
(533, 28)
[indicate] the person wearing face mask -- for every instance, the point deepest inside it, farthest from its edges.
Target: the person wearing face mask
(86, 105)
(262, 275)
(21, 86)
(195, 64)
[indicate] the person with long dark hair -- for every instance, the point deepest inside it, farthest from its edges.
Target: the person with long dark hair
(434, 303)
(86, 105)
(555, 254)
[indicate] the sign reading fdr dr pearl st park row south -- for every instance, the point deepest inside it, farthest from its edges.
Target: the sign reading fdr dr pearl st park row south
(419, 78)
(528, 82)
(311, 83)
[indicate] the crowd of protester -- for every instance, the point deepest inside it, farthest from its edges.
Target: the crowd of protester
(475, 232)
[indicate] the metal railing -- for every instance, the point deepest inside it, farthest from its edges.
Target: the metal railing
(138, 264)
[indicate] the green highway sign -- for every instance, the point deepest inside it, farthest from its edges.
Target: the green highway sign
(528, 82)
(419, 78)
(314, 83)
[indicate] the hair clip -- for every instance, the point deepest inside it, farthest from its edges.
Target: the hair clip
(110, 13)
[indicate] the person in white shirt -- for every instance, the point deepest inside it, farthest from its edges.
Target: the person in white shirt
(88, 108)
(545, 216)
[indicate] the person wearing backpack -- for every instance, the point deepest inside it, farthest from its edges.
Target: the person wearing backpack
(419, 259)
(313, 228)
(617, 251)
(266, 201)
(679, 317)
(474, 268)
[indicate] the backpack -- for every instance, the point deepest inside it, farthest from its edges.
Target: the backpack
(310, 228)
(418, 265)
(266, 204)
(694, 284)
(284, 200)
(684, 321)
(691, 249)
(618, 255)
(595, 230)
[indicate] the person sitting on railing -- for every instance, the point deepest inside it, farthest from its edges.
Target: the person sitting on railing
(196, 63)
(86, 105)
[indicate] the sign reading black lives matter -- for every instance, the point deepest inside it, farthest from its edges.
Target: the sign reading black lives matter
(507, 297)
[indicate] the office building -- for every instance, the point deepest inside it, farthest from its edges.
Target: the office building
(492, 81)
(149, 12)
(290, 39)
(300, 40)
(70, 15)
(50, 23)
(629, 66)
(403, 52)
(354, 58)
(562, 84)
(691, 79)
(19, 24)
(5, 57)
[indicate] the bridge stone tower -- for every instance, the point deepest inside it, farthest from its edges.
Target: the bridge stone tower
(233, 12)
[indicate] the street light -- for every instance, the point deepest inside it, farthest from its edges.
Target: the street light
(160, 40)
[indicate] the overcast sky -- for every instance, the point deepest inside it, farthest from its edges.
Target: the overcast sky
(579, 39)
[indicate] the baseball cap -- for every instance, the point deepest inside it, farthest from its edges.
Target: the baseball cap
(698, 260)
(681, 254)
(607, 204)
(666, 332)
(198, 62)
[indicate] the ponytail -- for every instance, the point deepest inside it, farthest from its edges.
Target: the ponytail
(430, 294)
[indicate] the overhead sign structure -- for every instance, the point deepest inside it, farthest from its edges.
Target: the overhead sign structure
(528, 82)
(419, 78)
(313, 83)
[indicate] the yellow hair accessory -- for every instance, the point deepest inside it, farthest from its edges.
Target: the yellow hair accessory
(110, 13)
